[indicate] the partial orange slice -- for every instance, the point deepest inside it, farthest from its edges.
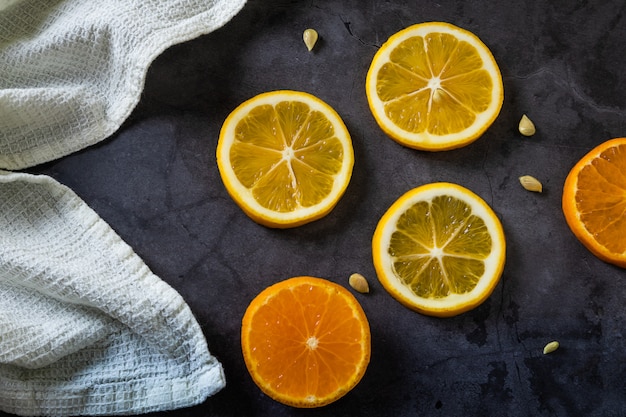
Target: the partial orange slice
(305, 341)
(594, 201)
(285, 158)
(434, 86)
(439, 249)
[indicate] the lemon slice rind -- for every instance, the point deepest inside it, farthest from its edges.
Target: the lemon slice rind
(244, 196)
(452, 304)
(426, 140)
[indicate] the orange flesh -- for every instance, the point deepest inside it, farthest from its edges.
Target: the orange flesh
(601, 198)
(306, 343)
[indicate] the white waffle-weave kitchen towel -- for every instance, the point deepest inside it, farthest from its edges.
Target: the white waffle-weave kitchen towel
(71, 71)
(85, 327)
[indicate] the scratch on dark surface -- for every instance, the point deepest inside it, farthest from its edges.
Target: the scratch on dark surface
(491, 353)
(499, 314)
(566, 83)
(213, 250)
(347, 24)
(483, 165)
(170, 209)
(517, 371)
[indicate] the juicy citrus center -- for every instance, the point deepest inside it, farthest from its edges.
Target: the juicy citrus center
(287, 155)
(434, 83)
(312, 343)
(439, 247)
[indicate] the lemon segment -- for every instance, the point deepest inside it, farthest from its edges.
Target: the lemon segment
(285, 157)
(439, 249)
(434, 86)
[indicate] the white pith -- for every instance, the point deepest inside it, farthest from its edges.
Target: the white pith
(492, 262)
(340, 179)
(434, 84)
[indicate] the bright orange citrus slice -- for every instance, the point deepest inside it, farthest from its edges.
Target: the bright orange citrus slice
(434, 86)
(439, 249)
(305, 341)
(285, 158)
(594, 201)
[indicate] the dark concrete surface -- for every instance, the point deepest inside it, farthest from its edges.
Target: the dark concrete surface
(563, 63)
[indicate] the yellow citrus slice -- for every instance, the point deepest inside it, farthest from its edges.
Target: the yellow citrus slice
(439, 249)
(594, 201)
(285, 158)
(305, 341)
(434, 86)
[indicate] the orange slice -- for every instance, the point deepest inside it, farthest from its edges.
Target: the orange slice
(305, 341)
(439, 249)
(285, 158)
(434, 86)
(594, 201)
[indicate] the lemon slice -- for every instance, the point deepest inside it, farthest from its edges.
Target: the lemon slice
(285, 158)
(439, 249)
(434, 86)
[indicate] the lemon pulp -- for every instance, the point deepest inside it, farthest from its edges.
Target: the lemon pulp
(287, 155)
(439, 248)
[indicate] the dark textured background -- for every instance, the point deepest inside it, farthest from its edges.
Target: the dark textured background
(156, 183)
